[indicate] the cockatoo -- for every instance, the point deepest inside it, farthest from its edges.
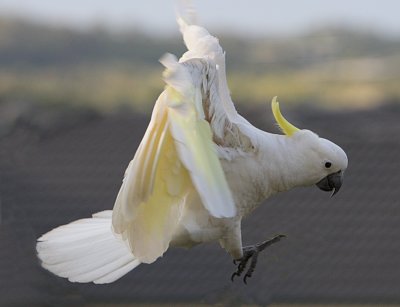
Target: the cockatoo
(199, 170)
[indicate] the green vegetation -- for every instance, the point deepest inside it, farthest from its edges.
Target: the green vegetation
(328, 67)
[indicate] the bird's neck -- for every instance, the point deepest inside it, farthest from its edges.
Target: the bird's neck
(280, 163)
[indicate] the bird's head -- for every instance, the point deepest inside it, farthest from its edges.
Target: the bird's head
(319, 160)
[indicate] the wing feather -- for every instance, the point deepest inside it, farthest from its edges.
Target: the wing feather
(177, 154)
(201, 44)
(194, 141)
(148, 223)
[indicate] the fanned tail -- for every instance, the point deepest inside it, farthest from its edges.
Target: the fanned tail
(86, 251)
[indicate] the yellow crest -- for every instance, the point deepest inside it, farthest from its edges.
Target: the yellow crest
(285, 126)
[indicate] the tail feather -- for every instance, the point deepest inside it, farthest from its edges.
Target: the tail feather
(117, 273)
(86, 251)
(81, 264)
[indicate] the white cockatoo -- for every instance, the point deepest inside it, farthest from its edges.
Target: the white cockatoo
(200, 169)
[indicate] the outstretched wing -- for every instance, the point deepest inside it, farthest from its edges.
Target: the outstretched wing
(193, 138)
(149, 203)
(206, 60)
(202, 45)
(176, 155)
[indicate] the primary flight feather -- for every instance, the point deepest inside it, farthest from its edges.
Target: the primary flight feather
(200, 168)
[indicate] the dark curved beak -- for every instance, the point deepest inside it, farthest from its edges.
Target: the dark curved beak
(332, 182)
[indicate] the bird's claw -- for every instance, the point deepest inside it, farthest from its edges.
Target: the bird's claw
(251, 252)
(245, 278)
(242, 263)
(233, 275)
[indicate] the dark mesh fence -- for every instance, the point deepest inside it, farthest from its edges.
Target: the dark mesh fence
(340, 250)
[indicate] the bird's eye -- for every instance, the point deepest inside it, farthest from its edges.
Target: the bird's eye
(328, 164)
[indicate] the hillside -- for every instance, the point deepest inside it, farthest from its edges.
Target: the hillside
(329, 67)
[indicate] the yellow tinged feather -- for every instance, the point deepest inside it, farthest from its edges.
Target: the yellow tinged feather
(193, 136)
(138, 183)
(176, 157)
(150, 234)
(147, 218)
(285, 126)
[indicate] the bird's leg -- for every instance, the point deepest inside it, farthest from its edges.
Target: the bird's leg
(251, 252)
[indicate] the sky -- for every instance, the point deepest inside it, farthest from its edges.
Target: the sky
(251, 17)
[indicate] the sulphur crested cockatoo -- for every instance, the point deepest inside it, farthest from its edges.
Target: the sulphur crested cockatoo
(200, 168)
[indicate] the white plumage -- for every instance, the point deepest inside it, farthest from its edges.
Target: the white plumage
(200, 168)
(86, 250)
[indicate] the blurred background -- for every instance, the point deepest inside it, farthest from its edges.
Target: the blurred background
(78, 80)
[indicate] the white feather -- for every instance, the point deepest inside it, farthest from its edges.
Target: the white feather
(193, 139)
(86, 251)
(196, 144)
(201, 44)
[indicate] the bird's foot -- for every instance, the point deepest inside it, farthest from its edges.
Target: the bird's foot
(251, 252)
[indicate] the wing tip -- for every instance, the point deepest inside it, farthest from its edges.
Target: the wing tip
(227, 209)
(186, 14)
